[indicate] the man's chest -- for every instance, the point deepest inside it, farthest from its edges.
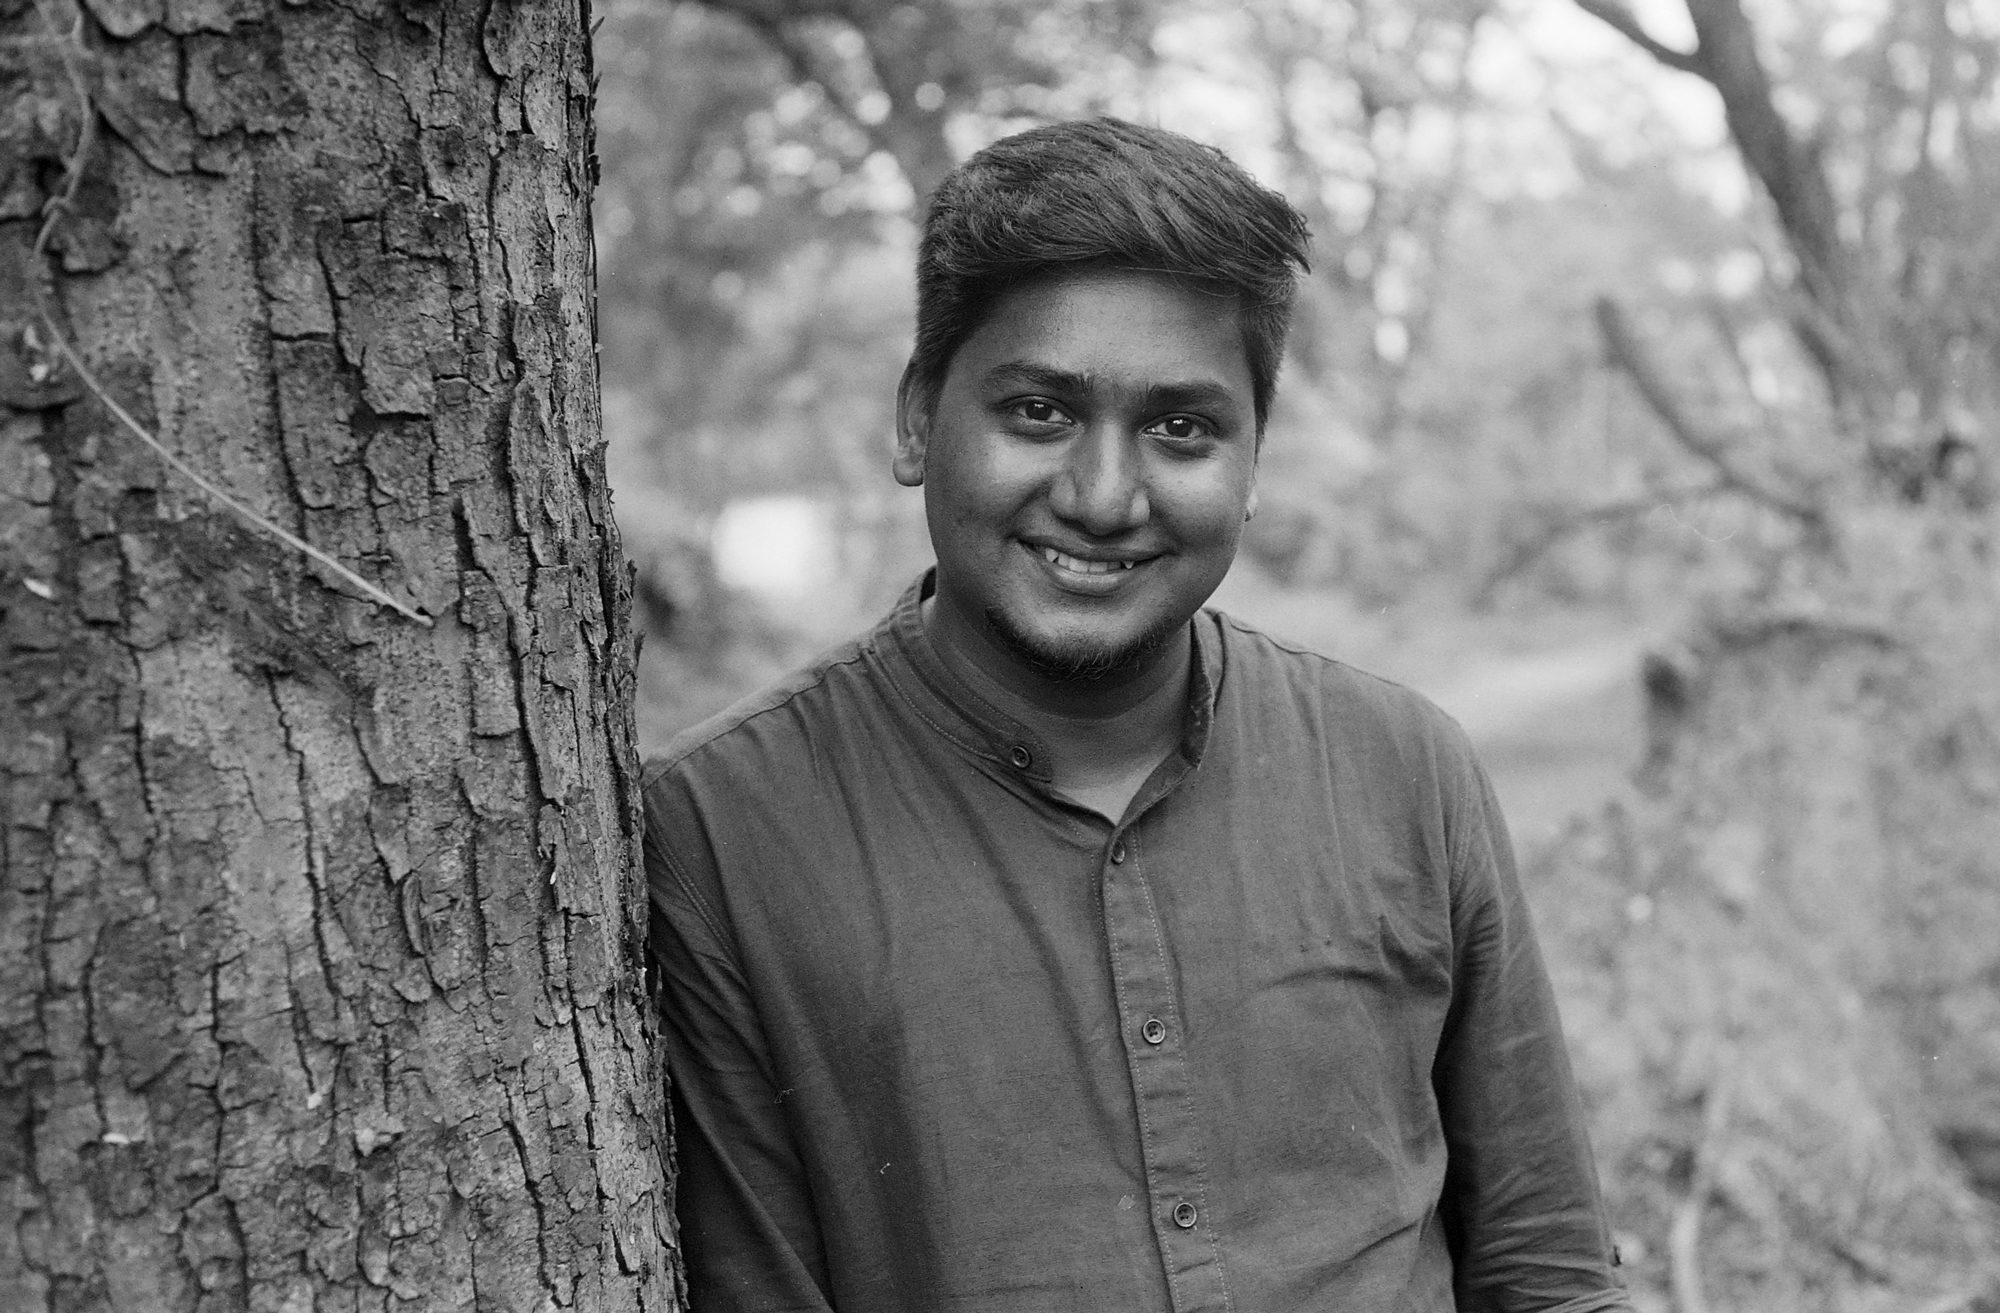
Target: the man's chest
(1260, 933)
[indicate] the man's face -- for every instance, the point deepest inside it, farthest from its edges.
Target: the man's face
(1087, 467)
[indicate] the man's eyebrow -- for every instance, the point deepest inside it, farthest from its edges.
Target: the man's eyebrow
(1194, 393)
(1028, 373)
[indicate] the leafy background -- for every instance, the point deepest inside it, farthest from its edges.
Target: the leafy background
(1640, 409)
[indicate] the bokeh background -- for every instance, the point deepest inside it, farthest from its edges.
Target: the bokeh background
(1640, 409)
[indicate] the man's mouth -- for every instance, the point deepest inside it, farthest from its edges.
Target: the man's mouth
(1079, 565)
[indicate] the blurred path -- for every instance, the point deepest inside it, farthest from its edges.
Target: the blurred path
(1513, 693)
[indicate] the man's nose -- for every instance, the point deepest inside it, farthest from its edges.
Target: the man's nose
(1101, 489)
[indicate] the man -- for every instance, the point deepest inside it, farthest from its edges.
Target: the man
(1061, 945)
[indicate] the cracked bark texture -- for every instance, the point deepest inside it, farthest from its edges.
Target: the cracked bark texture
(320, 930)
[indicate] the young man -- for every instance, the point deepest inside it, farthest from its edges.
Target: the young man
(1060, 945)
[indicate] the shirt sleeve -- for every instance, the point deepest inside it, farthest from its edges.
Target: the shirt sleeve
(1521, 1198)
(749, 1230)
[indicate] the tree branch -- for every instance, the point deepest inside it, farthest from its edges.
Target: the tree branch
(1616, 16)
(1561, 526)
(1791, 171)
(920, 151)
(763, 13)
(1789, 167)
(799, 56)
(1630, 354)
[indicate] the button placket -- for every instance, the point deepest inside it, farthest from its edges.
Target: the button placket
(1171, 1144)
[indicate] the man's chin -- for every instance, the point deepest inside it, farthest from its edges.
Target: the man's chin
(1080, 660)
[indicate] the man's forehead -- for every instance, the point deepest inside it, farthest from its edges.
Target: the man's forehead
(1188, 390)
(1085, 328)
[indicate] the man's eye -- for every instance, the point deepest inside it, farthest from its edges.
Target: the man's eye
(1037, 411)
(1182, 428)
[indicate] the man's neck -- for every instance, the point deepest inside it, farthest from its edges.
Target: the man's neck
(1104, 737)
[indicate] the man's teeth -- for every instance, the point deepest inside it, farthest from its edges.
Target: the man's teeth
(1081, 566)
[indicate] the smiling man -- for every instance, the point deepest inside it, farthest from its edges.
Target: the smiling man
(1060, 944)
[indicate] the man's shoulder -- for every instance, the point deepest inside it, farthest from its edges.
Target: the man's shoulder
(776, 720)
(1263, 666)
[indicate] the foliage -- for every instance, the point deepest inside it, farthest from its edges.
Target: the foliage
(1689, 315)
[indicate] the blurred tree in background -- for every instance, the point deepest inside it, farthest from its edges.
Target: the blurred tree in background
(1796, 1009)
(1676, 318)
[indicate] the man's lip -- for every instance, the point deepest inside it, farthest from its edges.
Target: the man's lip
(1088, 562)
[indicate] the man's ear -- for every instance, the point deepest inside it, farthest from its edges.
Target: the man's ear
(913, 431)
(1250, 502)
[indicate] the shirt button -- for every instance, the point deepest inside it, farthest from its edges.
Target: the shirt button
(1155, 1032)
(1021, 757)
(1184, 1215)
(1118, 852)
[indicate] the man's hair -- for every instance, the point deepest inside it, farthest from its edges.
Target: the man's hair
(1108, 194)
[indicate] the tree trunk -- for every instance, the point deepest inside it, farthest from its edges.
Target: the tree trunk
(320, 915)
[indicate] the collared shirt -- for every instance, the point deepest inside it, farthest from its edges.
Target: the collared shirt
(1280, 1039)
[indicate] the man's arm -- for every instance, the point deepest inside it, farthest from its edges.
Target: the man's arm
(748, 1227)
(1521, 1190)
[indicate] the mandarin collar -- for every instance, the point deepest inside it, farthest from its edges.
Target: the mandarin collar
(970, 720)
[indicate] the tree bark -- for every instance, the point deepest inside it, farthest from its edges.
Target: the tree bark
(320, 915)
